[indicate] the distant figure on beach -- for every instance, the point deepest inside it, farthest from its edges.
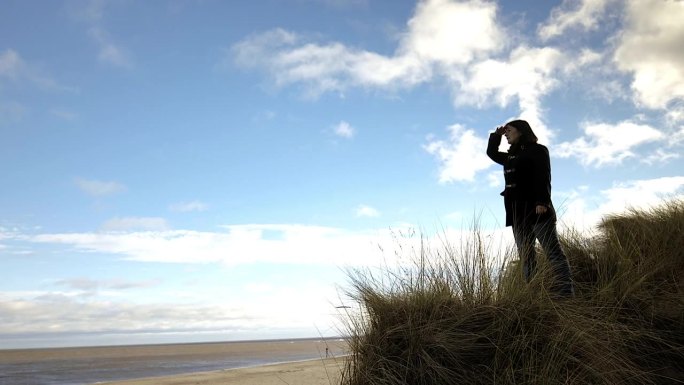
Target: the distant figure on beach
(527, 199)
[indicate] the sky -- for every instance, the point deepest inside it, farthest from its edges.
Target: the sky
(204, 170)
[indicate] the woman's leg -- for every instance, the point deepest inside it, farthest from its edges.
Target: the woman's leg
(548, 238)
(524, 242)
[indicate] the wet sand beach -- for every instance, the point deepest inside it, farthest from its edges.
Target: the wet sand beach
(313, 372)
(89, 365)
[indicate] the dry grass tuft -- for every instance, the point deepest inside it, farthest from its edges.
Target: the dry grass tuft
(456, 317)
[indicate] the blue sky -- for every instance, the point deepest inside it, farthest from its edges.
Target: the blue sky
(204, 170)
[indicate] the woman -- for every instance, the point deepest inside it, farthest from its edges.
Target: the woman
(527, 198)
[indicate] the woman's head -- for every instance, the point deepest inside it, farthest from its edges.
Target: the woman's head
(519, 132)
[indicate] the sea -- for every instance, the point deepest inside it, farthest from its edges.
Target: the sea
(93, 365)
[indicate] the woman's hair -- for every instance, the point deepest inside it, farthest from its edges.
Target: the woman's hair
(526, 133)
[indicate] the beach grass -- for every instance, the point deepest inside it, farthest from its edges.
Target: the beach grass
(460, 315)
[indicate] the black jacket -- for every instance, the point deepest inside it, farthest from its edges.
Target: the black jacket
(527, 171)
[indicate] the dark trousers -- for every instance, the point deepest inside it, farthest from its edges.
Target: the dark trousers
(545, 231)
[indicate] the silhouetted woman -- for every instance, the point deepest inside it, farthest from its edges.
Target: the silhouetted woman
(527, 198)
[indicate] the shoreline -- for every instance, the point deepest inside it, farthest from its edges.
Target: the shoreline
(319, 371)
(13, 355)
(128, 363)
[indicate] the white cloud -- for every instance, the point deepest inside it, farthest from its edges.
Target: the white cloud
(650, 48)
(609, 90)
(135, 224)
(259, 288)
(576, 209)
(444, 40)
(98, 188)
(55, 313)
(641, 194)
(344, 130)
(64, 114)
(64, 318)
(607, 144)
(241, 244)
(526, 76)
(678, 135)
(461, 157)
(266, 306)
(8, 236)
(571, 14)
(92, 13)
(246, 51)
(110, 52)
(10, 64)
(185, 207)
(675, 115)
(578, 62)
(582, 211)
(660, 156)
(251, 244)
(495, 179)
(367, 211)
(15, 68)
(448, 32)
(92, 285)
(441, 34)
(323, 68)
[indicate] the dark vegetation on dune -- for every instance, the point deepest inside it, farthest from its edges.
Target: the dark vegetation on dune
(456, 317)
